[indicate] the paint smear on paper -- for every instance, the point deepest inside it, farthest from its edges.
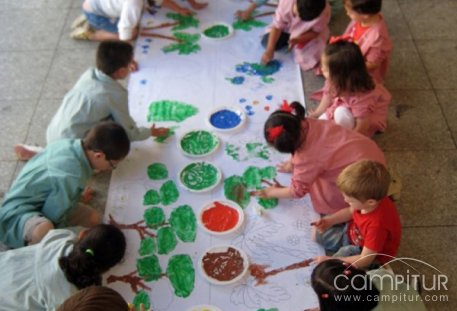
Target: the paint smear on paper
(147, 246)
(235, 190)
(199, 176)
(149, 268)
(168, 110)
(236, 80)
(184, 21)
(157, 171)
(181, 272)
(186, 45)
(248, 24)
(225, 119)
(169, 193)
(151, 197)
(166, 240)
(141, 298)
(184, 222)
(154, 217)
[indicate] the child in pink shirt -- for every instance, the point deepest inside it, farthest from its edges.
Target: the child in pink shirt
(350, 96)
(300, 25)
(320, 151)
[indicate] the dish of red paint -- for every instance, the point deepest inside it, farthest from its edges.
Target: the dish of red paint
(221, 217)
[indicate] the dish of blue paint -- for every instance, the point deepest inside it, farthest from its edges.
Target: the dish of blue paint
(226, 119)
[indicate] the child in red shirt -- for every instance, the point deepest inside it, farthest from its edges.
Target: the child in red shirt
(375, 230)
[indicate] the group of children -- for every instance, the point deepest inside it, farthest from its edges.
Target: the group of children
(333, 158)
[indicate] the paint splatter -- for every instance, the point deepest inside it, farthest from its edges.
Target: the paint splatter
(181, 273)
(169, 193)
(183, 21)
(242, 100)
(149, 268)
(171, 132)
(141, 298)
(151, 197)
(168, 110)
(199, 143)
(217, 31)
(259, 69)
(236, 80)
(268, 203)
(255, 102)
(184, 223)
(199, 176)
(143, 82)
(147, 247)
(166, 240)
(248, 151)
(157, 171)
(248, 24)
(187, 44)
(266, 108)
(225, 119)
(235, 190)
(154, 217)
(149, 40)
(269, 97)
(232, 151)
(267, 79)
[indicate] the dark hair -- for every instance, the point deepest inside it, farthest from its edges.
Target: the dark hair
(99, 249)
(310, 9)
(113, 55)
(95, 298)
(337, 284)
(366, 6)
(347, 69)
(290, 138)
(109, 138)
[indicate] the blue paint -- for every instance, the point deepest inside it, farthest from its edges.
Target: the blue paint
(143, 81)
(145, 51)
(256, 69)
(148, 40)
(236, 80)
(250, 113)
(146, 46)
(248, 107)
(242, 100)
(269, 97)
(225, 119)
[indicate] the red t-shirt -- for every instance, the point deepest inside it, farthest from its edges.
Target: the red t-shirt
(359, 30)
(379, 230)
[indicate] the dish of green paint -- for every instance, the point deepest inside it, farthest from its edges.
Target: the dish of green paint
(200, 177)
(217, 31)
(198, 143)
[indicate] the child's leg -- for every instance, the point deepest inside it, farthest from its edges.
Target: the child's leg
(343, 116)
(333, 238)
(85, 216)
(36, 228)
(283, 41)
(26, 152)
(100, 28)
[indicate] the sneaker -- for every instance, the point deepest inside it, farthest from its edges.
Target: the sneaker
(79, 21)
(81, 33)
(26, 152)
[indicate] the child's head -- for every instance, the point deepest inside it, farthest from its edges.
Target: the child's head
(283, 129)
(114, 57)
(109, 144)
(364, 181)
(95, 298)
(357, 9)
(97, 250)
(338, 285)
(343, 65)
(308, 10)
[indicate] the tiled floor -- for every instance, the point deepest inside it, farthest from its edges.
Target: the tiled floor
(39, 64)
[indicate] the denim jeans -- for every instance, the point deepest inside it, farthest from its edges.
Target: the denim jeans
(102, 22)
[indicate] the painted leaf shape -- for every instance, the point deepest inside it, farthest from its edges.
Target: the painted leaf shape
(147, 246)
(184, 222)
(248, 24)
(268, 203)
(171, 132)
(268, 172)
(184, 21)
(166, 240)
(141, 298)
(169, 192)
(252, 178)
(235, 190)
(181, 272)
(168, 110)
(154, 217)
(151, 197)
(149, 268)
(157, 171)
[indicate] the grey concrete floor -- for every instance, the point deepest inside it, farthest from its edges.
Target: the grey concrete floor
(40, 63)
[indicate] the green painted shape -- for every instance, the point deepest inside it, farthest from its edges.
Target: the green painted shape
(272, 309)
(199, 176)
(248, 24)
(185, 21)
(187, 45)
(217, 31)
(151, 197)
(166, 240)
(199, 142)
(141, 298)
(149, 268)
(232, 151)
(252, 178)
(154, 217)
(268, 172)
(267, 79)
(168, 110)
(147, 246)
(235, 190)
(181, 272)
(184, 222)
(258, 150)
(268, 203)
(171, 132)
(169, 192)
(157, 171)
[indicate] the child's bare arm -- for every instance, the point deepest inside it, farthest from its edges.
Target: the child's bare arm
(362, 261)
(303, 38)
(323, 105)
(362, 125)
(273, 192)
(159, 131)
(170, 4)
(246, 14)
(328, 221)
(273, 38)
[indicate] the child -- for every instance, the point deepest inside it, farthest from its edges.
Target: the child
(118, 19)
(247, 14)
(47, 191)
(320, 151)
(95, 298)
(340, 286)
(300, 25)
(42, 276)
(369, 31)
(351, 98)
(96, 97)
(375, 230)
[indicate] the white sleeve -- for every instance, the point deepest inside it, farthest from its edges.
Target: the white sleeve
(129, 19)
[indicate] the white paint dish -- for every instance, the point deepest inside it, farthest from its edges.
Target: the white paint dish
(233, 230)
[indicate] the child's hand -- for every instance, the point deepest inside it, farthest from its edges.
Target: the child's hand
(293, 42)
(267, 57)
(197, 5)
(133, 66)
(159, 132)
(322, 224)
(285, 167)
(265, 193)
(87, 195)
(243, 15)
(320, 259)
(132, 307)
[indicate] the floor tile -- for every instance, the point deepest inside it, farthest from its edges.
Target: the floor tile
(447, 100)
(406, 70)
(431, 19)
(23, 73)
(6, 174)
(396, 23)
(428, 196)
(415, 122)
(15, 117)
(441, 70)
(39, 29)
(68, 43)
(6, 5)
(45, 111)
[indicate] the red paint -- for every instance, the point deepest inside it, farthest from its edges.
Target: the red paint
(220, 217)
(267, 108)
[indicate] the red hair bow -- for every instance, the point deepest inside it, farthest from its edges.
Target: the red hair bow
(274, 132)
(286, 107)
(336, 39)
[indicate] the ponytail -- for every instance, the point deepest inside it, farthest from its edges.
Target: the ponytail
(99, 249)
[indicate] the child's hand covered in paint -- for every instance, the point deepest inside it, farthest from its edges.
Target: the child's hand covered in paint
(159, 131)
(322, 224)
(267, 56)
(285, 167)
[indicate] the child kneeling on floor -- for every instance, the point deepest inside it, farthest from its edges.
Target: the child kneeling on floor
(47, 192)
(374, 233)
